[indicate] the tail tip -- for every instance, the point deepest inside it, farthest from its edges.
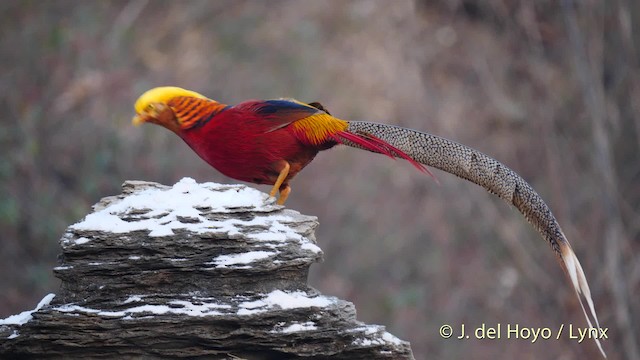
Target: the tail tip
(581, 287)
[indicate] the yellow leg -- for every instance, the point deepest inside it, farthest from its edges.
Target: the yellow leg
(281, 177)
(284, 194)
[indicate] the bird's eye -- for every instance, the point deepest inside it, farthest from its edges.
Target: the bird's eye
(150, 107)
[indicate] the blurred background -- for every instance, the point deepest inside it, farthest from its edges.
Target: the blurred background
(551, 89)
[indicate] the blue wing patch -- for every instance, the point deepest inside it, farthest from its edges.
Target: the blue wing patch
(284, 106)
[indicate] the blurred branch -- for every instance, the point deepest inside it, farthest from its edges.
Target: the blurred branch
(594, 100)
(125, 20)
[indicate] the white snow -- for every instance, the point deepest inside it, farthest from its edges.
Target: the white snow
(390, 338)
(25, 316)
(274, 229)
(284, 300)
(248, 257)
(373, 331)
(82, 240)
(159, 210)
(297, 327)
(311, 247)
(66, 267)
(187, 308)
(133, 298)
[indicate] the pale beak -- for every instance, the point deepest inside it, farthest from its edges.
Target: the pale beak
(139, 119)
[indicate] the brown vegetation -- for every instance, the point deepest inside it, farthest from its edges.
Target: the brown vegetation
(549, 89)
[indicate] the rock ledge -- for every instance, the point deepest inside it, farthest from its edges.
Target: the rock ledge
(195, 271)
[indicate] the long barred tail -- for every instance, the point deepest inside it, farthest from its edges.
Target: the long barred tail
(474, 166)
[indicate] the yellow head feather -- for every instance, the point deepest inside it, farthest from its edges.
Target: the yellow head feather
(162, 95)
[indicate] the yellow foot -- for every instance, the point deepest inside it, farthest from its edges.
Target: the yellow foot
(284, 192)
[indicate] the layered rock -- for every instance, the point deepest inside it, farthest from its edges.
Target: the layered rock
(196, 271)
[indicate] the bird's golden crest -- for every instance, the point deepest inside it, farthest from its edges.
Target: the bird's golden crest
(162, 95)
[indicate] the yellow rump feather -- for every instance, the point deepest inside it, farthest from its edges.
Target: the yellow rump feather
(317, 128)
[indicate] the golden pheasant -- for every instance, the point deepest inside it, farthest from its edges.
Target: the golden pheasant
(270, 141)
